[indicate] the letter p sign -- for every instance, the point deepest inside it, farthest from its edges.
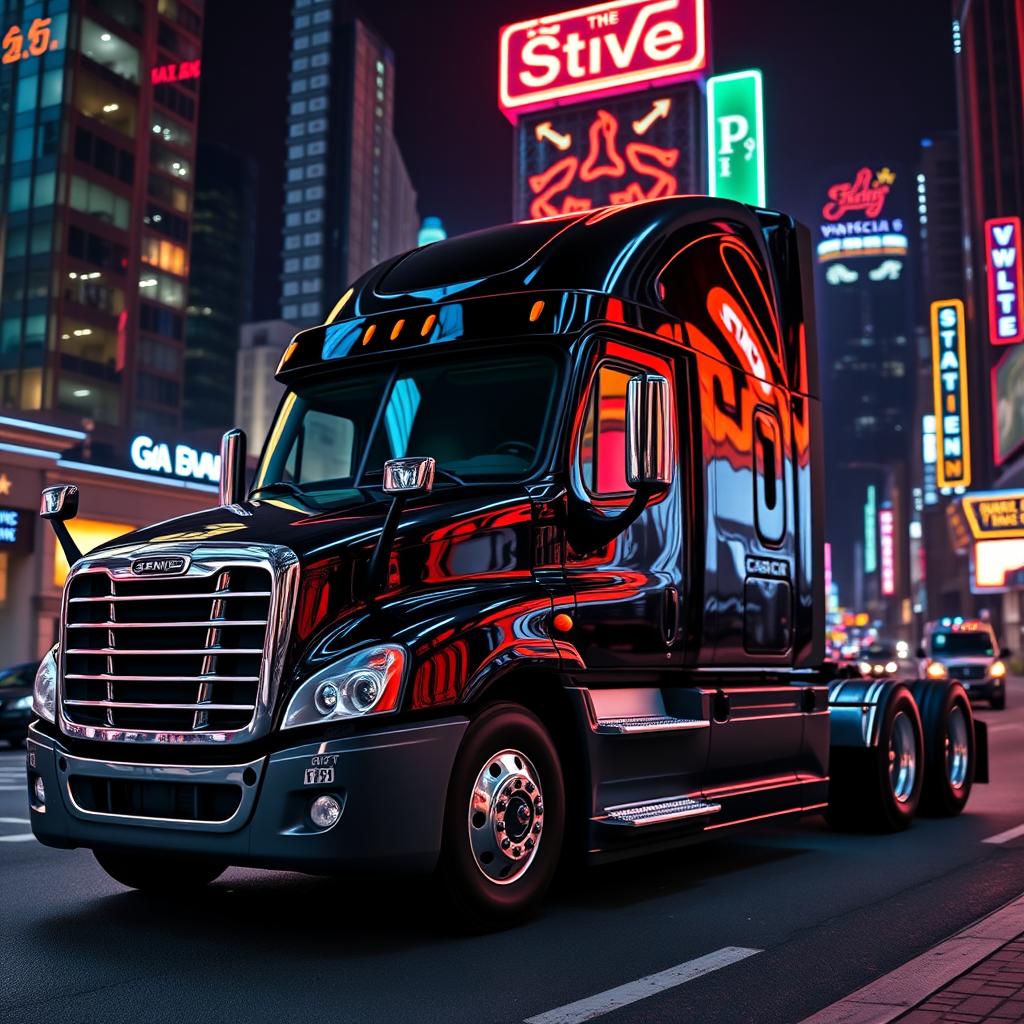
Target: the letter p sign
(736, 137)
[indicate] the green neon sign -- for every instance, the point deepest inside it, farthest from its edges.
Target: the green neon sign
(871, 531)
(736, 137)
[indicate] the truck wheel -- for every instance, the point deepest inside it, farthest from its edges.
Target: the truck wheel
(504, 818)
(878, 788)
(949, 749)
(158, 874)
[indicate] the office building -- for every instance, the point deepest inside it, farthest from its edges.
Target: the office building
(348, 199)
(97, 152)
(257, 394)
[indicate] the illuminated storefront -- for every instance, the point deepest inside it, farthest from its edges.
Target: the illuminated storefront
(113, 501)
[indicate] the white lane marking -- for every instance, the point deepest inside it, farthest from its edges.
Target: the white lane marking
(900, 990)
(1003, 726)
(12, 789)
(14, 821)
(1005, 837)
(652, 984)
(23, 838)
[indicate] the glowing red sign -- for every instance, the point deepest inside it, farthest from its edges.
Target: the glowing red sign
(598, 51)
(179, 72)
(887, 543)
(865, 194)
(1005, 280)
(640, 171)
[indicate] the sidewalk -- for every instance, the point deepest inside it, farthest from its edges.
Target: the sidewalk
(992, 991)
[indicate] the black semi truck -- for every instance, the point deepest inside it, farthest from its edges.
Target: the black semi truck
(530, 567)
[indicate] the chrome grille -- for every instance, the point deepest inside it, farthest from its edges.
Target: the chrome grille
(173, 658)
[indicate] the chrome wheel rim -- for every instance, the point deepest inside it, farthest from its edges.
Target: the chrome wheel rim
(958, 749)
(506, 816)
(902, 758)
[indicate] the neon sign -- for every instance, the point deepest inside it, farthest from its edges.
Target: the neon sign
(865, 194)
(887, 545)
(17, 48)
(995, 515)
(736, 137)
(600, 50)
(1005, 280)
(155, 457)
(180, 72)
(949, 373)
(870, 532)
(584, 157)
(9, 520)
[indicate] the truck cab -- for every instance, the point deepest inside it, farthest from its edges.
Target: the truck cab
(531, 565)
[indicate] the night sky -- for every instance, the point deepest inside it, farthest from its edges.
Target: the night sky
(845, 84)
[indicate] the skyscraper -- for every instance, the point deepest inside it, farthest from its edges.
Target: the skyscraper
(348, 199)
(98, 105)
(220, 285)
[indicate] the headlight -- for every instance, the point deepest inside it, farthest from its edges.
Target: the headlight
(367, 682)
(44, 693)
(865, 668)
(22, 704)
(891, 666)
(936, 670)
(998, 670)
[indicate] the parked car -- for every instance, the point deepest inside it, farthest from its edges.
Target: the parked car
(967, 650)
(886, 658)
(16, 701)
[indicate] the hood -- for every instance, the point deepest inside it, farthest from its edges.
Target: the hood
(949, 660)
(351, 524)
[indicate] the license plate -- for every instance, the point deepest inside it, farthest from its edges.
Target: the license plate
(318, 776)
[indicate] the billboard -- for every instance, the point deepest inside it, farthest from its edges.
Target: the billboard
(862, 234)
(994, 515)
(736, 137)
(642, 146)
(598, 51)
(1005, 280)
(1008, 404)
(949, 376)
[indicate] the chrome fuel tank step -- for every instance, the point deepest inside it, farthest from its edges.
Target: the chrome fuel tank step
(647, 723)
(658, 812)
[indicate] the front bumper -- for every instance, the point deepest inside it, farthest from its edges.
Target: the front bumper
(392, 784)
(983, 689)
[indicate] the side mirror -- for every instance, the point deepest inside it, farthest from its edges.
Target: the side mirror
(410, 477)
(232, 467)
(650, 448)
(59, 504)
(922, 653)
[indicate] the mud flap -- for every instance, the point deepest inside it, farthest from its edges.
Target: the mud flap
(981, 751)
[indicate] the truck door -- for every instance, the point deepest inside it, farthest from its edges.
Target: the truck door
(628, 591)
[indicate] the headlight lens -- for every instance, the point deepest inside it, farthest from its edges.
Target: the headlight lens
(367, 682)
(998, 670)
(890, 667)
(865, 668)
(936, 670)
(44, 693)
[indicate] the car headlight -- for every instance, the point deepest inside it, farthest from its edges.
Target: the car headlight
(865, 668)
(367, 682)
(891, 666)
(936, 670)
(998, 670)
(22, 704)
(44, 692)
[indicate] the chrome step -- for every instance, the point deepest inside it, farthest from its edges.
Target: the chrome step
(647, 723)
(657, 812)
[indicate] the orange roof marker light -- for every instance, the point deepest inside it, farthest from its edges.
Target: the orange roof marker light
(369, 333)
(535, 312)
(288, 353)
(428, 325)
(339, 307)
(397, 329)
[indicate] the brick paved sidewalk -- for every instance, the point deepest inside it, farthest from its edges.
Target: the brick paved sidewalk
(990, 993)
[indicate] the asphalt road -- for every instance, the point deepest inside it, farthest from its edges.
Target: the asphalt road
(817, 915)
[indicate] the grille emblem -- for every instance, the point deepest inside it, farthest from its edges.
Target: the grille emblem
(172, 565)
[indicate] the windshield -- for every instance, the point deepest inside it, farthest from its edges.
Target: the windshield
(971, 644)
(880, 649)
(19, 676)
(483, 417)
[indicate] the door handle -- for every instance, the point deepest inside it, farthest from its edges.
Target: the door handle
(670, 615)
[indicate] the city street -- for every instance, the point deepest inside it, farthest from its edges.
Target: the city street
(800, 916)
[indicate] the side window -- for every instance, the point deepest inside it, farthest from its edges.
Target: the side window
(603, 444)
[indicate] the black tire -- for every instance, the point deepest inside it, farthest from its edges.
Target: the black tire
(505, 750)
(999, 703)
(863, 793)
(159, 874)
(950, 753)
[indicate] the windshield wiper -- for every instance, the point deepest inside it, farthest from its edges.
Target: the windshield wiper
(278, 485)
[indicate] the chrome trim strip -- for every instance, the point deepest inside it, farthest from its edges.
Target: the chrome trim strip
(122, 770)
(166, 597)
(107, 677)
(164, 653)
(207, 558)
(202, 624)
(158, 707)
